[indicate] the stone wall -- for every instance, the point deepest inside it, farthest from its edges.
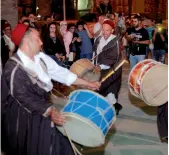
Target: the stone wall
(9, 11)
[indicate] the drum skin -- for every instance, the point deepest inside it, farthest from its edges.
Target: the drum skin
(148, 81)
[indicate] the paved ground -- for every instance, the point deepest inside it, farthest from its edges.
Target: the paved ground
(135, 130)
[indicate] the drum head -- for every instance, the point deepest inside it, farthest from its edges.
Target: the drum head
(82, 131)
(154, 85)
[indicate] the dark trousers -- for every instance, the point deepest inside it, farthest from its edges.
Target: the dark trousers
(162, 120)
(112, 84)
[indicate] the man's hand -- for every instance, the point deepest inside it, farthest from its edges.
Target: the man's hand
(78, 39)
(156, 30)
(63, 58)
(57, 56)
(57, 117)
(74, 39)
(94, 85)
(135, 41)
(85, 26)
(131, 36)
(97, 69)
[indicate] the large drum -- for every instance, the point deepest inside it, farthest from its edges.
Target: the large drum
(148, 80)
(85, 69)
(89, 117)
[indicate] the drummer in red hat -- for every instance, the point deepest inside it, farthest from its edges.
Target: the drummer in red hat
(27, 116)
(106, 57)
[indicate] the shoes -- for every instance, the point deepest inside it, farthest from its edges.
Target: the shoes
(118, 107)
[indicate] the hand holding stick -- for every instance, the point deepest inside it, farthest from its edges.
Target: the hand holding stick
(113, 71)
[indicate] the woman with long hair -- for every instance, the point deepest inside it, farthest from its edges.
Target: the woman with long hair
(53, 44)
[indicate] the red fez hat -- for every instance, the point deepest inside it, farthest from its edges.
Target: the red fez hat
(109, 22)
(18, 33)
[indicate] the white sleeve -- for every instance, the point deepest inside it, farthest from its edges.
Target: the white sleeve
(103, 67)
(57, 72)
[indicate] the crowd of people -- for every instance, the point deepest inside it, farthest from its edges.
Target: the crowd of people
(32, 57)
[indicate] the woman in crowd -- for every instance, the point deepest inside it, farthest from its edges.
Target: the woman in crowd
(76, 41)
(53, 44)
(7, 46)
(67, 37)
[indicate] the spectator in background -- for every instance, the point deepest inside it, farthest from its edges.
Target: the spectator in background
(121, 21)
(7, 46)
(139, 39)
(23, 18)
(84, 34)
(104, 7)
(31, 18)
(53, 44)
(98, 26)
(126, 43)
(67, 37)
(26, 22)
(44, 28)
(149, 27)
(76, 41)
(160, 42)
(117, 28)
(3, 22)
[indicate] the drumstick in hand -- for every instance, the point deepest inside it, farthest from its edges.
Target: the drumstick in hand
(112, 72)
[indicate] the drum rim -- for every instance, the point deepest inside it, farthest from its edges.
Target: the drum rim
(141, 86)
(131, 91)
(88, 122)
(93, 92)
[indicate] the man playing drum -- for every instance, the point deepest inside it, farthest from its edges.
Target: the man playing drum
(27, 117)
(107, 56)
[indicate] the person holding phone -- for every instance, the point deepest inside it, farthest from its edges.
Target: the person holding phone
(160, 43)
(139, 40)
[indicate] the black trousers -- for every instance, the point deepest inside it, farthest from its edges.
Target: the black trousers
(112, 84)
(162, 120)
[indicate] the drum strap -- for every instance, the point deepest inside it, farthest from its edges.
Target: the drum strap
(75, 150)
(31, 74)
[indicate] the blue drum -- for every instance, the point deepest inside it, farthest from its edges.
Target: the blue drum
(89, 117)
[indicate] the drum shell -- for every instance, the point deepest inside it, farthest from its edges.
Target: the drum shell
(148, 81)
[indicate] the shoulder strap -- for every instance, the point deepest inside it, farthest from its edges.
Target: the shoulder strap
(43, 65)
(32, 75)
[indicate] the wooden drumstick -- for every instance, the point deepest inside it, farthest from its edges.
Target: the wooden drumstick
(59, 93)
(112, 72)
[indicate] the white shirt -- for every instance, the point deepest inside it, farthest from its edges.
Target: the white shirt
(54, 71)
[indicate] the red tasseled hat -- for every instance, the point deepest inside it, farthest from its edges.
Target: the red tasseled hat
(18, 32)
(109, 22)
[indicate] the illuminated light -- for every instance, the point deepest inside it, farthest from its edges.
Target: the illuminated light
(159, 29)
(39, 16)
(82, 4)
